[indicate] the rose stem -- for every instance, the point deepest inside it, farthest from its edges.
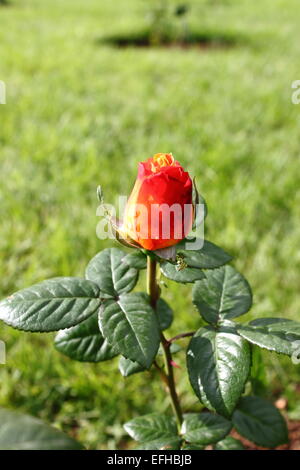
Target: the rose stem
(154, 292)
(181, 335)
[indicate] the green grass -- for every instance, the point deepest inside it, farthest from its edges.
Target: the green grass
(81, 113)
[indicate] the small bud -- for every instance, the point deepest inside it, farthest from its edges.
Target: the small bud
(100, 194)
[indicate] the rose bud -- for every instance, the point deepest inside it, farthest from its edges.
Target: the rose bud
(159, 211)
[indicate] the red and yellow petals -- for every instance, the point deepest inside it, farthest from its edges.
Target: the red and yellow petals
(162, 195)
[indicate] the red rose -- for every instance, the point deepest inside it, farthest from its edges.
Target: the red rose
(159, 212)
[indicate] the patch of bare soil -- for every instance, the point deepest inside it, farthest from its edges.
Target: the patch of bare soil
(143, 39)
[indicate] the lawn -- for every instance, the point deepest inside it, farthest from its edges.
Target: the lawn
(81, 112)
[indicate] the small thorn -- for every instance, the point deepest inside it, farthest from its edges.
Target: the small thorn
(174, 364)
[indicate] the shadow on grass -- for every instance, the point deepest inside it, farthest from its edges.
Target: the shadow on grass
(5, 3)
(203, 40)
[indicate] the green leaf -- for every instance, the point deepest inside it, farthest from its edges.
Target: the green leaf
(204, 428)
(51, 305)
(184, 275)
(218, 362)
(174, 349)
(192, 447)
(168, 254)
(22, 432)
(229, 443)
(112, 273)
(170, 443)
(130, 325)
(276, 334)
(128, 367)
(260, 422)
(165, 314)
(258, 376)
(151, 427)
(223, 294)
(277, 324)
(208, 257)
(84, 342)
(137, 260)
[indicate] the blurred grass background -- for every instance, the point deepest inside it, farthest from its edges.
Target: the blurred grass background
(81, 113)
